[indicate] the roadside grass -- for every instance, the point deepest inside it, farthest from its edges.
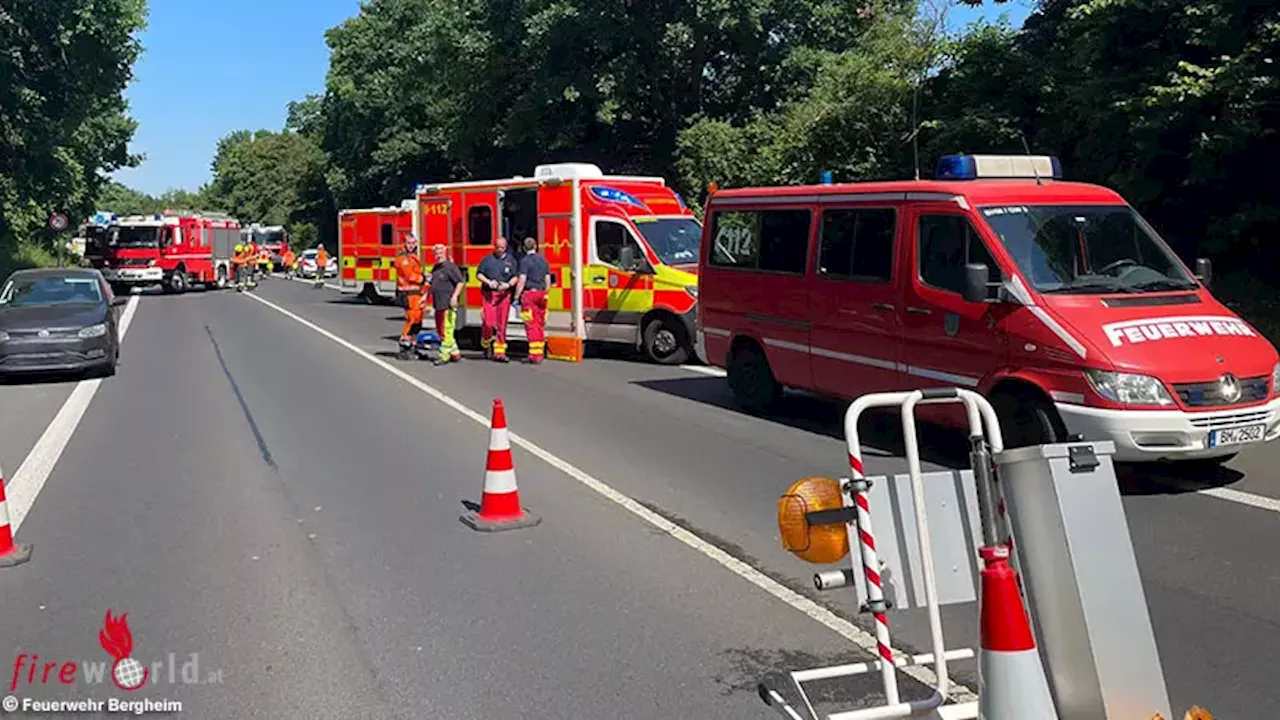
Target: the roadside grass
(19, 256)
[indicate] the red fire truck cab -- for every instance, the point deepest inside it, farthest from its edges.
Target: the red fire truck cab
(173, 250)
(1055, 299)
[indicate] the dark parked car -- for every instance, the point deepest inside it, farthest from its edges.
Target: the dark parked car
(63, 320)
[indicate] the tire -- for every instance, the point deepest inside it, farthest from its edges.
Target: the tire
(751, 379)
(119, 289)
(666, 341)
(222, 277)
(1027, 419)
(177, 282)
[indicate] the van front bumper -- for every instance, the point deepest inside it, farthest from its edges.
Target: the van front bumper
(134, 275)
(1150, 435)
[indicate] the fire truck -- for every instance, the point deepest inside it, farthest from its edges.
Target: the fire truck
(368, 241)
(623, 252)
(171, 249)
(273, 238)
(95, 233)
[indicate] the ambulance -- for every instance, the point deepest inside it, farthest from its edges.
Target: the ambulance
(623, 251)
(1055, 299)
(368, 241)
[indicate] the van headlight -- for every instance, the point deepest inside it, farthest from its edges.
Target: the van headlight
(691, 289)
(151, 263)
(1275, 374)
(1128, 388)
(93, 331)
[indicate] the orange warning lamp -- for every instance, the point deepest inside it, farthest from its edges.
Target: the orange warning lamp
(712, 187)
(819, 544)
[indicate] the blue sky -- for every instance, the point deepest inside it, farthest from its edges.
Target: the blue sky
(213, 66)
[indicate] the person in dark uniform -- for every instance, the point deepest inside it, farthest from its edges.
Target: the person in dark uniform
(497, 275)
(531, 289)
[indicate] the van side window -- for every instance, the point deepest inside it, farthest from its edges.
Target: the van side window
(770, 240)
(858, 243)
(945, 244)
(610, 237)
(388, 234)
(480, 225)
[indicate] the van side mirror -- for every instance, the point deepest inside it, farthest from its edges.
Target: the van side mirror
(627, 257)
(1204, 271)
(975, 283)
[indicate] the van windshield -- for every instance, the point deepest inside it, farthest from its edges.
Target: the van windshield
(1087, 250)
(674, 240)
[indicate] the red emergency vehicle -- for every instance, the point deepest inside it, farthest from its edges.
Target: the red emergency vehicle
(171, 249)
(623, 252)
(1055, 299)
(368, 241)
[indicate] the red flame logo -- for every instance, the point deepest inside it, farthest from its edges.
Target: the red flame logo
(115, 637)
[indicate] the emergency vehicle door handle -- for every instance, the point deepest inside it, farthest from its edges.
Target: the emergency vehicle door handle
(881, 306)
(919, 311)
(597, 280)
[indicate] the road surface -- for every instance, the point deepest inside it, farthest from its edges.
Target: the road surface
(264, 486)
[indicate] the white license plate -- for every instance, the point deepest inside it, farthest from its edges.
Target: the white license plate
(1237, 436)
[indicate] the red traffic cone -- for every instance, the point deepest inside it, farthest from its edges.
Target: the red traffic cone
(1011, 679)
(500, 505)
(11, 553)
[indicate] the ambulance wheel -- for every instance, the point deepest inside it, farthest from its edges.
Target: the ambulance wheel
(665, 341)
(1027, 418)
(751, 379)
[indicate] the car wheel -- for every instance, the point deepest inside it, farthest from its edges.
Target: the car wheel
(751, 379)
(666, 342)
(1026, 419)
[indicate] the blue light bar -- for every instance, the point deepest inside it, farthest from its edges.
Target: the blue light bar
(976, 167)
(614, 195)
(827, 177)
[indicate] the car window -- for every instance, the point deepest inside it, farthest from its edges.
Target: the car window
(857, 244)
(771, 240)
(945, 244)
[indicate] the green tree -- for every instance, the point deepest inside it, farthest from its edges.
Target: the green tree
(63, 119)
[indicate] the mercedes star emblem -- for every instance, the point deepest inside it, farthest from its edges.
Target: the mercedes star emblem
(44, 333)
(1229, 388)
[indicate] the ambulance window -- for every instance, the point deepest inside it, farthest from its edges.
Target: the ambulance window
(610, 237)
(857, 244)
(388, 234)
(946, 243)
(480, 225)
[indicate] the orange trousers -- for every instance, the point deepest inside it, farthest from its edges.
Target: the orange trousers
(412, 315)
(534, 302)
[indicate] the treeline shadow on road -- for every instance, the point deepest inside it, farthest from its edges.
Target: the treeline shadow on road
(881, 434)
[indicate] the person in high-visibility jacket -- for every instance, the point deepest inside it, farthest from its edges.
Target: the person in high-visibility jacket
(322, 262)
(240, 264)
(410, 281)
(289, 261)
(264, 261)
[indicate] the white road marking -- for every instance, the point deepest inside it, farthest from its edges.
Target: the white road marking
(705, 370)
(308, 282)
(1236, 496)
(834, 622)
(25, 485)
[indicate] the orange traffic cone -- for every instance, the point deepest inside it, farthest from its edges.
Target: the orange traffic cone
(11, 553)
(500, 505)
(1011, 679)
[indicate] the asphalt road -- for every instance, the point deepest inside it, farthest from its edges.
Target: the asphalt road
(253, 488)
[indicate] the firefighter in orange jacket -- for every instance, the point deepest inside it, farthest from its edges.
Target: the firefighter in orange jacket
(410, 282)
(322, 263)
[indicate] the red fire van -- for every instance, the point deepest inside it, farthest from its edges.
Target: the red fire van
(1055, 299)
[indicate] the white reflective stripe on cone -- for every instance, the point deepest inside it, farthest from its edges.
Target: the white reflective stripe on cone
(497, 482)
(499, 440)
(1011, 685)
(4, 514)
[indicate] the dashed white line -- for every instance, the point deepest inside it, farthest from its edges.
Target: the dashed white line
(25, 485)
(1236, 496)
(834, 622)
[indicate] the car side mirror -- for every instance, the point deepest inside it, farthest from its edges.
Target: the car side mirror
(975, 283)
(1204, 271)
(118, 301)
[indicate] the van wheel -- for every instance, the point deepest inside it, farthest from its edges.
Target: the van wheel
(666, 342)
(751, 379)
(1027, 419)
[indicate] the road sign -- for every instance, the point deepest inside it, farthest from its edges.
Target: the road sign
(58, 222)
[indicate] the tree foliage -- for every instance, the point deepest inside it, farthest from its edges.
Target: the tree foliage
(63, 119)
